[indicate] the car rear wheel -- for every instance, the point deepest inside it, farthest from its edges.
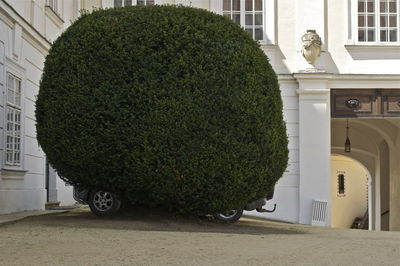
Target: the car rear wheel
(103, 203)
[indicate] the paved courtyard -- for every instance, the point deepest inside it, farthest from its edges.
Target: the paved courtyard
(137, 237)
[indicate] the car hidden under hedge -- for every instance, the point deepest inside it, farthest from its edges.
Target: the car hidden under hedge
(162, 106)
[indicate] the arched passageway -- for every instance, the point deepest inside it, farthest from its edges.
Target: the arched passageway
(349, 193)
(373, 146)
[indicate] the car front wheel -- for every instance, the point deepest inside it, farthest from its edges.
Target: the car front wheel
(103, 203)
(229, 216)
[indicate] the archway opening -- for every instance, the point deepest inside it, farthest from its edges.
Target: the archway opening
(349, 193)
(370, 119)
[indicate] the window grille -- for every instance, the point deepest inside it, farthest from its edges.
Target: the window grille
(247, 13)
(341, 184)
(378, 20)
(121, 3)
(388, 19)
(13, 120)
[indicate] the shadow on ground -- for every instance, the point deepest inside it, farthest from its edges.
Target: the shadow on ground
(145, 220)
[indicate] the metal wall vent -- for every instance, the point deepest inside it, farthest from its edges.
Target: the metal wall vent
(319, 213)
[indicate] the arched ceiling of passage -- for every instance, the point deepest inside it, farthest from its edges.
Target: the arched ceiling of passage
(366, 133)
(361, 137)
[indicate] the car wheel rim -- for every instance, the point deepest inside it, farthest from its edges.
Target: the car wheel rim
(228, 214)
(103, 201)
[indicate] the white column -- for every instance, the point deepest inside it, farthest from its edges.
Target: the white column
(377, 196)
(394, 222)
(315, 144)
(371, 210)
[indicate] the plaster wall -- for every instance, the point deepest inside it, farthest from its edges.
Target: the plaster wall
(194, 3)
(283, 55)
(64, 193)
(23, 48)
(22, 188)
(341, 53)
(348, 55)
(36, 15)
(20, 6)
(52, 29)
(90, 4)
(354, 202)
(286, 194)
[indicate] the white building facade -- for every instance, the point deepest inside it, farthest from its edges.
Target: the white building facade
(27, 29)
(352, 81)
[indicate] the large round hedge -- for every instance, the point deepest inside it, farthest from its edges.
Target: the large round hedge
(168, 106)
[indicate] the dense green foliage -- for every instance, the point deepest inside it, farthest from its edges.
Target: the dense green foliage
(168, 106)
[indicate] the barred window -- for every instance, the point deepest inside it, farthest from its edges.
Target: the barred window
(121, 3)
(341, 184)
(247, 13)
(13, 120)
(378, 20)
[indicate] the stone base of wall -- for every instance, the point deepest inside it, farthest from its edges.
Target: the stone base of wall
(22, 200)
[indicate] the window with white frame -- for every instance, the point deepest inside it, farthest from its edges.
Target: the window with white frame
(13, 120)
(121, 3)
(53, 4)
(378, 20)
(247, 13)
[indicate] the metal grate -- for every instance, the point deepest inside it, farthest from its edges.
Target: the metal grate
(319, 213)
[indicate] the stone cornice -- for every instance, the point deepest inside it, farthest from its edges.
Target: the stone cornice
(330, 76)
(313, 91)
(367, 76)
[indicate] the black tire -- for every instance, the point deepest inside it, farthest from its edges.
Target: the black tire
(103, 203)
(229, 216)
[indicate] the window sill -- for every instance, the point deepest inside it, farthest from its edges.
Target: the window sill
(54, 16)
(13, 173)
(373, 46)
(373, 52)
(268, 45)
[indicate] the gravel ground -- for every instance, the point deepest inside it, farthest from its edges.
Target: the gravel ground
(138, 237)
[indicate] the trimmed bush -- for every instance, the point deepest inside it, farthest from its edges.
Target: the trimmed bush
(167, 106)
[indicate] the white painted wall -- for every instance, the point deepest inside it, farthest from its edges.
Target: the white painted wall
(21, 188)
(354, 202)
(26, 27)
(286, 194)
